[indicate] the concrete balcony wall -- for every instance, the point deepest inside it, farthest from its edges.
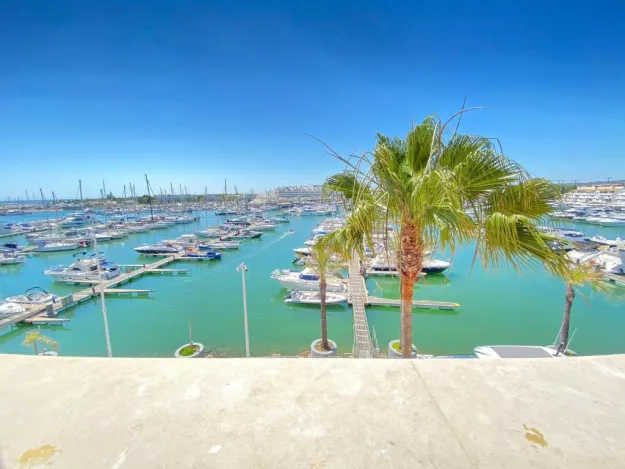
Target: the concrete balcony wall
(298, 413)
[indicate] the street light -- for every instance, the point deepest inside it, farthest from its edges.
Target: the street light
(243, 268)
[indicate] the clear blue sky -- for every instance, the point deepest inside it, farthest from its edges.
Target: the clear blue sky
(193, 92)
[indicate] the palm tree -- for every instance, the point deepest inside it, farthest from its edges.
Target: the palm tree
(34, 337)
(321, 259)
(576, 276)
(424, 186)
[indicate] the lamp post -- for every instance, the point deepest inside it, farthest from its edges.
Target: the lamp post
(243, 268)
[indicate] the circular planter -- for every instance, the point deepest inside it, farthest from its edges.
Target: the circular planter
(314, 353)
(178, 354)
(394, 353)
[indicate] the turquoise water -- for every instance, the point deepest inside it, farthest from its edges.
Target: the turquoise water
(496, 307)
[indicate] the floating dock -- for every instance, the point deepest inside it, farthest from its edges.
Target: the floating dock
(617, 279)
(420, 304)
(42, 314)
(363, 346)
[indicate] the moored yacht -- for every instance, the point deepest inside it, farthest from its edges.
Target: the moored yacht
(11, 258)
(160, 249)
(184, 241)
(85, 269)
(221, 245)
(57, 246)
(313, 298)
(517, 351)
(8, 308)
(306, 280)
(34, 296)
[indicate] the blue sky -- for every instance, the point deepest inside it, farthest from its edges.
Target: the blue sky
(193, 92)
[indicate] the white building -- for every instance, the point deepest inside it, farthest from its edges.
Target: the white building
(314, 192)
(596, 195)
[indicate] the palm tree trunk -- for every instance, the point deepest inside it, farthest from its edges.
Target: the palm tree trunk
(411, 255)
(569, 296)
(35, 347)
(323, 285)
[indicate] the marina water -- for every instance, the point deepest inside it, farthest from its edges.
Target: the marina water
(497, 307)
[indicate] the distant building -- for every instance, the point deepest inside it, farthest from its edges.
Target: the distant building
(597, 195)
(314, 192)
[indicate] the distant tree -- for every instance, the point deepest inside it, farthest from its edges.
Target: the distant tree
(145, 199)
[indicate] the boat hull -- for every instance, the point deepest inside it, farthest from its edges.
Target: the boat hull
(296, 285)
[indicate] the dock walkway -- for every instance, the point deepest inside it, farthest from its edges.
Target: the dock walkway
(363, 347)
(618, 279)
(40, 313)
(359, 297)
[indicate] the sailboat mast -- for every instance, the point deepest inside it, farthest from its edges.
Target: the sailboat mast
(42, 197)
(149, 198)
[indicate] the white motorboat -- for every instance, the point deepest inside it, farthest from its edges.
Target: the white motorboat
(435, 266)
(220, 245)
(302, 251)
(139, 228)
(57, 246)
(85, 269)
(8, 308)
(381, 266)
(517, 351)
(608, 242)
(40, 237)
(101, 237)
(75, 221)
(7, 258)
(160, 249)
(313, 298)
(609, 221)
(307, 280)
(117, 234)
(183, 241)
(611, 260)
(210, 232)
(34, 296)
(264, 227)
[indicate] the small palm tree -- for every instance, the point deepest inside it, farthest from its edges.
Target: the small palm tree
(439, 187)
(576, 276)
(34, 337)
(322, 260)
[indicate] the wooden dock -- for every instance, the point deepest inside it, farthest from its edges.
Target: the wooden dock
(363, 346)
(39, 314)
(420, 304)
(617, 279)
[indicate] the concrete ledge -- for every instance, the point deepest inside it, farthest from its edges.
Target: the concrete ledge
(296, 413)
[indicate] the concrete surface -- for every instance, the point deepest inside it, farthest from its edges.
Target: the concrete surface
(298, 413)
